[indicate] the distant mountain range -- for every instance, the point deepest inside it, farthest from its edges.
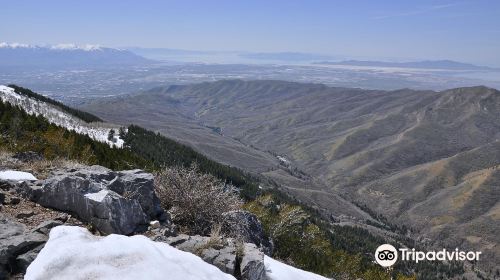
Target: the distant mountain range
(166, 51)
(71, 55)
(228, 56)
(168, 54)
(286, 56)
(14, 55)
(427, 64)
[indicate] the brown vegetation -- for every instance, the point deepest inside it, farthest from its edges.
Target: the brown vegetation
(196, 201)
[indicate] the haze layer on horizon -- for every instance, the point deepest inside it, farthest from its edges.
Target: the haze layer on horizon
(467, 31)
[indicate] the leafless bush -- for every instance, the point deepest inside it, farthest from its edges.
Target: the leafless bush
(195, 200)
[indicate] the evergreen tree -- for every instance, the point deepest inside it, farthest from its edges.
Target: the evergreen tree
(111, 135)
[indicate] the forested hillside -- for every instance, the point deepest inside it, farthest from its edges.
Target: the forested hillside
(87, 117)
(302, 237)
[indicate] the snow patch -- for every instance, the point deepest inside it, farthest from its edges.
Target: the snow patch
(283, 160)
(74, 253)
(276, 270)
(17, 176)
(98, 196)
(54, 115)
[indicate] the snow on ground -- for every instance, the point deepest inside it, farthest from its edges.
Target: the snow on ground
(58, 117)
(74, 253)
(16, 175)
(283, 160)
(276, 270)
(73, 47)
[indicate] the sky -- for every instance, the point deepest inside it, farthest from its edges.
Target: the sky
(467, 31)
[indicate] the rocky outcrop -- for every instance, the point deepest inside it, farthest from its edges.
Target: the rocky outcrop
(16, 246)
(122, 202)
(113, 202)
(243, 260)
(46, 226)
(252, 263)
(138, 185)
(245, 225)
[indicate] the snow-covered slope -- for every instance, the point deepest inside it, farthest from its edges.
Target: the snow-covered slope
(74, 253)
(55, 115)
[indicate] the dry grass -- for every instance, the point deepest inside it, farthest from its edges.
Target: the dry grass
(39, 168)
(216, 239)
(5, 156)
(240, 248)
(473, 181)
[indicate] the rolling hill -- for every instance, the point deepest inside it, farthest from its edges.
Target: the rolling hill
(423, 159)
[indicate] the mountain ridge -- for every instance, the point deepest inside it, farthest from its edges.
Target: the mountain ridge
(393, 151)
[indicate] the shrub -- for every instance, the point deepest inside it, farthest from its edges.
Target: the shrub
(195, 200)
(301, 241)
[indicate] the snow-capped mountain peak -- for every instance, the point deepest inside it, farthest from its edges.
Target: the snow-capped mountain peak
(14, 45)
(65, 46)
(86, 47)
(66, 56)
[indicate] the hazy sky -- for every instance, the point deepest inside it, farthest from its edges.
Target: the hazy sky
(460, 30)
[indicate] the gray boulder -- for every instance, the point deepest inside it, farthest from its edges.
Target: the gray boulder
(5, 185)
(24, 260)
(8, 185)
(113, 202)
(245, 225)
(244, 261)
(46, 226)
(138, 185)
(252, 263)
(15, 241)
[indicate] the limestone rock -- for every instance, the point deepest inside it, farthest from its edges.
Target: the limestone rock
(15, 240)
(46, 226)
(244, 261)
(113, 202)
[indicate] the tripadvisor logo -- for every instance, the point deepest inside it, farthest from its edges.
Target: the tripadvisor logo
(386, 255)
